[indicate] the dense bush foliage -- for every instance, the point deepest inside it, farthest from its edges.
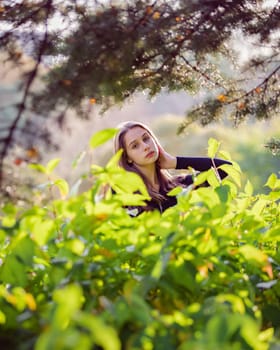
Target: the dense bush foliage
(80, 273)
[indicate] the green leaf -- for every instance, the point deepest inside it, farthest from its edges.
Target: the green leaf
(8, 221)
(273, 182)
(233, 173)
(52, 164)
(175, 191)
(160, 265)
(200, 178)
(20, 256)
(41, 230)
(102, 136)
(223, 192)
(101, 334)
(213, 146)
(2, 317)
(130, 199)
(273, 233)
(126, 182)
(259, 206)
(78, 159)
(224, 155)
(114, 161)
(63, 187)
(70, 298)
(13, 272)
(249, 188)
(251, 253)
(38, 167)
(212, 178)
(236, 302)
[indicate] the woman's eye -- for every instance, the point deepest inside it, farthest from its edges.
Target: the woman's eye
(146, 138)
(134, 146)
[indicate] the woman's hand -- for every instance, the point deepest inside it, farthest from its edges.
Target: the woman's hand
(166, 160)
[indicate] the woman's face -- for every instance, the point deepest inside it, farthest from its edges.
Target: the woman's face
(140, 146)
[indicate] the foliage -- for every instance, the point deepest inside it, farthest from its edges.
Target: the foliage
(80, 273)
(102, 53)
(245, 144)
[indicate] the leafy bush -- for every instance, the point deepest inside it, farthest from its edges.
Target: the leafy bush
(80, 273)
(246, 144)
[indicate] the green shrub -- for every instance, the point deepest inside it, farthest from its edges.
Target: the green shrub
(80, 273)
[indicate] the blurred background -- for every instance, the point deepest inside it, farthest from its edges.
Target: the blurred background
(163, 114)
(27, 55)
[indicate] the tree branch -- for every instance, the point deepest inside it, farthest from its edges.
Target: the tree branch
(9, 138)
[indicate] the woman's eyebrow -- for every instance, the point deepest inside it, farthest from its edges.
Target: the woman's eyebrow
(135, 140)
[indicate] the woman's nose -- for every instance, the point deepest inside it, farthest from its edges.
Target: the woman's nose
(146, 146)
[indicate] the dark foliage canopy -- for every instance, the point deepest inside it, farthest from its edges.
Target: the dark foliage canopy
(102, 52)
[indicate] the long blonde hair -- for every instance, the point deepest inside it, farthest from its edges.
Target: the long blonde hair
(166, 181)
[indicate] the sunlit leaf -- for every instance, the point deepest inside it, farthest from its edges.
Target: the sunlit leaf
(253, 254)
(249, 188)
(236, 302)
(101, 137)
(30, 302)
(41, 229)
(212, 178)
(52, 164)
(224, 155)
(273, 182)
(175, 191)
(101, 334)
(114, 161)
(13, 270)
(63, 187)
(232, 172)
(213, 146)
(259, 206)
(38, 167)
(78, 159)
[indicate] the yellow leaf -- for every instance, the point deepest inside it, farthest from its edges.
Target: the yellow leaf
(149, 10)
(156, 15)
(67, 82)
(105, 252)
(222, 98)
(32, 153)
(268, 269)
(30, 301)
(11, 299)
(203, 270)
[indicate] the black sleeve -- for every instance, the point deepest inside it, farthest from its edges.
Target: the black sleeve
(201, 164)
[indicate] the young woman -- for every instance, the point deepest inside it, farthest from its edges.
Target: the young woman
(143, 154)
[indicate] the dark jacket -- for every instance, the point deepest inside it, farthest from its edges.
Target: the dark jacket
(199, 164)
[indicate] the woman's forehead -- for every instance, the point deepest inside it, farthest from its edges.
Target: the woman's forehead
(134, 134)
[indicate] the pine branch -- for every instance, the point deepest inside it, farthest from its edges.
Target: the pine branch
(22, 106)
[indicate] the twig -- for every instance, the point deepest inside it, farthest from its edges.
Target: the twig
(8, 140)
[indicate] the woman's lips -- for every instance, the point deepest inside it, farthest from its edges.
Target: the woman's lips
(150, 154)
